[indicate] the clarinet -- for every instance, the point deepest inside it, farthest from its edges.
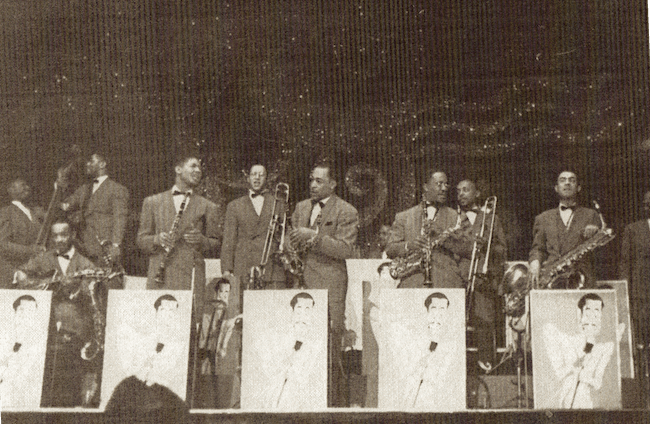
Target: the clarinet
(173, 233)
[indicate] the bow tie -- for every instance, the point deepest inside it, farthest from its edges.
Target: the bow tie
(159, 347)
(17, 347)
(474, 209)
(433, 346)
(180, 193)
(63, 255)
(254, 194)
(298, 345)
(95, 181)
(320, 203)
(564, 207)
(588, 347)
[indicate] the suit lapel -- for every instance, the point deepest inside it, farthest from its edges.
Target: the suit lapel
(327, 211)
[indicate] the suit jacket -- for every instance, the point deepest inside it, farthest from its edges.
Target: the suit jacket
(325, 262)
(104, 214)
(17, 235)
(158, 213)
(444, 267)
(244, 235)
(552, 239)
(483, 305)
(634, 266)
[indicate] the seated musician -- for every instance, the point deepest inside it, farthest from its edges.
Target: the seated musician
(69, 379)
(408, 235)
(559, 230)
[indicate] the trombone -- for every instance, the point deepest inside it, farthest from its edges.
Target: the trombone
(278, 223)
(489, 208)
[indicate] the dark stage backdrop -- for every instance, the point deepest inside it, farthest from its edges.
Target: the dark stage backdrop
(507, 92)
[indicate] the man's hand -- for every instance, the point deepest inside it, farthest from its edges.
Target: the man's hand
(419, 243)
(19, 277)
(301, 235)
(533, 268)
(589, 231)
(65, 207)
(165, 240)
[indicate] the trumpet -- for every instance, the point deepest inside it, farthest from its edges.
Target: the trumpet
(489, 208)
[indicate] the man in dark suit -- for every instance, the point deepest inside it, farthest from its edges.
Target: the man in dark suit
(634, 266)
(101, 210)
(69, 379)
(483, 306)
(244, 234)
(19, 227)
(557, 231)
(325, 227)
(196, 235)
(409, 233)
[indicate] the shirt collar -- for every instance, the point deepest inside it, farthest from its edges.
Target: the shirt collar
(101, 179)
(22, 207)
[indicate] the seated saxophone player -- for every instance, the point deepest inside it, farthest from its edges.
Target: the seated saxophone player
(484, 299)
(415, 228)
(559, 230)
(325, 230)
(69, 379)
(178, 229)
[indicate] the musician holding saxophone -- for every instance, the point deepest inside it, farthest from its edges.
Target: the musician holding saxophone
(559, 230)
(325, 231)
(178, 228)
(414, 237)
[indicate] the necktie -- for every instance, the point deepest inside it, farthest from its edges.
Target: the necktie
(563, 208)
(159, 347)
(17, 347)
(588, 347)
(178, 193)
(433, 346)
(298, 345)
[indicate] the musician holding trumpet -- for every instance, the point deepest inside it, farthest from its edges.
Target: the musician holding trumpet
(178, 228)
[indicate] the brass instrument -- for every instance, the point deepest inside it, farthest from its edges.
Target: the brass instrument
(489, 207)
(418, 260)
(173, 234)
(559, 274)
(286, 255)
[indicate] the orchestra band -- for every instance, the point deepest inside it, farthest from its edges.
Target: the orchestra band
(263, 244)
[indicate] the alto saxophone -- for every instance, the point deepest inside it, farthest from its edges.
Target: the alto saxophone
(417, 260)
(173, 234)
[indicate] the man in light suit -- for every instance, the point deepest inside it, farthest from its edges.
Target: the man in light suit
(69, 380)
(634, 267)
(408, 235)
(557, 231)
(101, 210)
(244, 234)
(19, 227)
(196, 236)
(326, 227)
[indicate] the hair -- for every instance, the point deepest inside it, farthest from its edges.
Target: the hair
(101, 156)
(218, 282)
(182, 159)
(21, 298)
(301, 295)
(328, 165)
(567, 169)
(13, 181)
(589, 296)
(434, 295)
(159, 301)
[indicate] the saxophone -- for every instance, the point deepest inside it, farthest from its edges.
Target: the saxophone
(417, 260)
(173, 233)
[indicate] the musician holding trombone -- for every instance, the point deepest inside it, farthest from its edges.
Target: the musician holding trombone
(487, 239)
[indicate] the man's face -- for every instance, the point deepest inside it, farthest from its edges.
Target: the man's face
(435, 190)
(94, 165)
(646, 204)
(590, 317)
(166, 316)
(321, 185)
(62, 237)
(19, 190)
(436, 317)
(567, 185)
(467, 194)
(301, 316)
(25, 318)
(223, 293)
(190, 172)
(257, 177)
